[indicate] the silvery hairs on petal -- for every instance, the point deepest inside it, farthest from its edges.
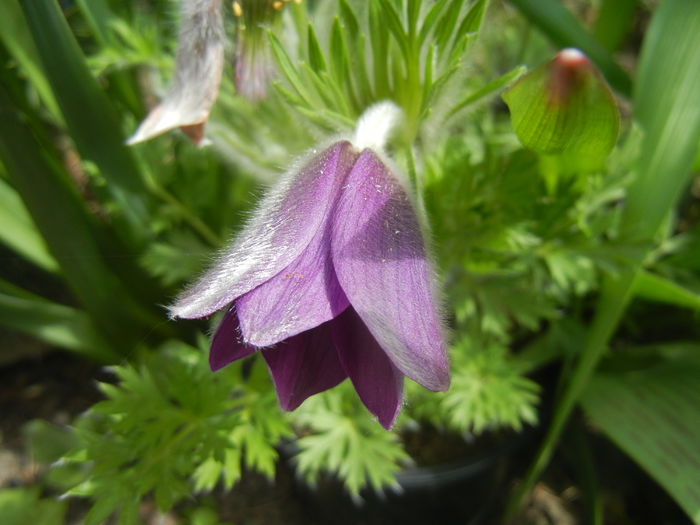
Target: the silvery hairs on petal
(198, 68)
(285, 221)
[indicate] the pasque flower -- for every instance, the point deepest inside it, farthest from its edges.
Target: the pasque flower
(330, 279)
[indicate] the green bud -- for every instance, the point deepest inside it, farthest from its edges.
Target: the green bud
(565, 108)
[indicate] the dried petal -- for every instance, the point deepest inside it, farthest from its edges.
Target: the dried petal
(304, 365)
(198, 68)
(381, 264)
(227, 345)
(281, 229)
(377, 381)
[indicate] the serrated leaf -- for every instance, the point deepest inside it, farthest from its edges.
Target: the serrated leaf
(565, 108)
(232, 467)
(207, 474)
(342, 441)
(103, 507)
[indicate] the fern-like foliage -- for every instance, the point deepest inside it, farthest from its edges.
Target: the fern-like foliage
(170, 428)
(487, 393)
(341, 437)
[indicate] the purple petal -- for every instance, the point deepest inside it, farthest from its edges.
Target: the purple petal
(280, 230)
(377, 381)
(302, 296)
(304, 365)
(227, 345)
(380, 260)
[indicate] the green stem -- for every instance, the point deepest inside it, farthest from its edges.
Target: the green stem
(194, 222)
(615, 295)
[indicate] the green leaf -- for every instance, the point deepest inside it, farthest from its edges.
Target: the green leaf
(392, 21)
(487, 392)
(316, 60)
(18, 230)
(553, 19)
(565, 108)
(15, 36)
(380, 50)
(653, 414)
(89, 114)
(207, 475)
(99, 16)
(288, 70)
(666, 106)
(70, 233)
(46, 441)
(654, 287)
(20, 506)
(446, 25)
(349, 19)
(474, 18)
(489, 89)
(340, 60)
(615, 19)
(430, 20)
(343, 441)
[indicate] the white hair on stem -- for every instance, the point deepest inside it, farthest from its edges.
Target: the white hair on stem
(376, 124)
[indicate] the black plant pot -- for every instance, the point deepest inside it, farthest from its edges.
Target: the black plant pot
(468, 491)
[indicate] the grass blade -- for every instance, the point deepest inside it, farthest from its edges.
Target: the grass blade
(52, 323)
(69, 232)
(654, 287)
(15, 36)
(666, 106)
(89, 115)
(19, 233)
(653, 415)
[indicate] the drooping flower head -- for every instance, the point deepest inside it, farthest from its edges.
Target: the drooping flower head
(198, 67)
(330, 279)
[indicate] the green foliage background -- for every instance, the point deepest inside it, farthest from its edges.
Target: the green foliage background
(539, 256)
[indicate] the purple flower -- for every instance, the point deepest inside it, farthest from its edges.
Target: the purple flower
(329, 280)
